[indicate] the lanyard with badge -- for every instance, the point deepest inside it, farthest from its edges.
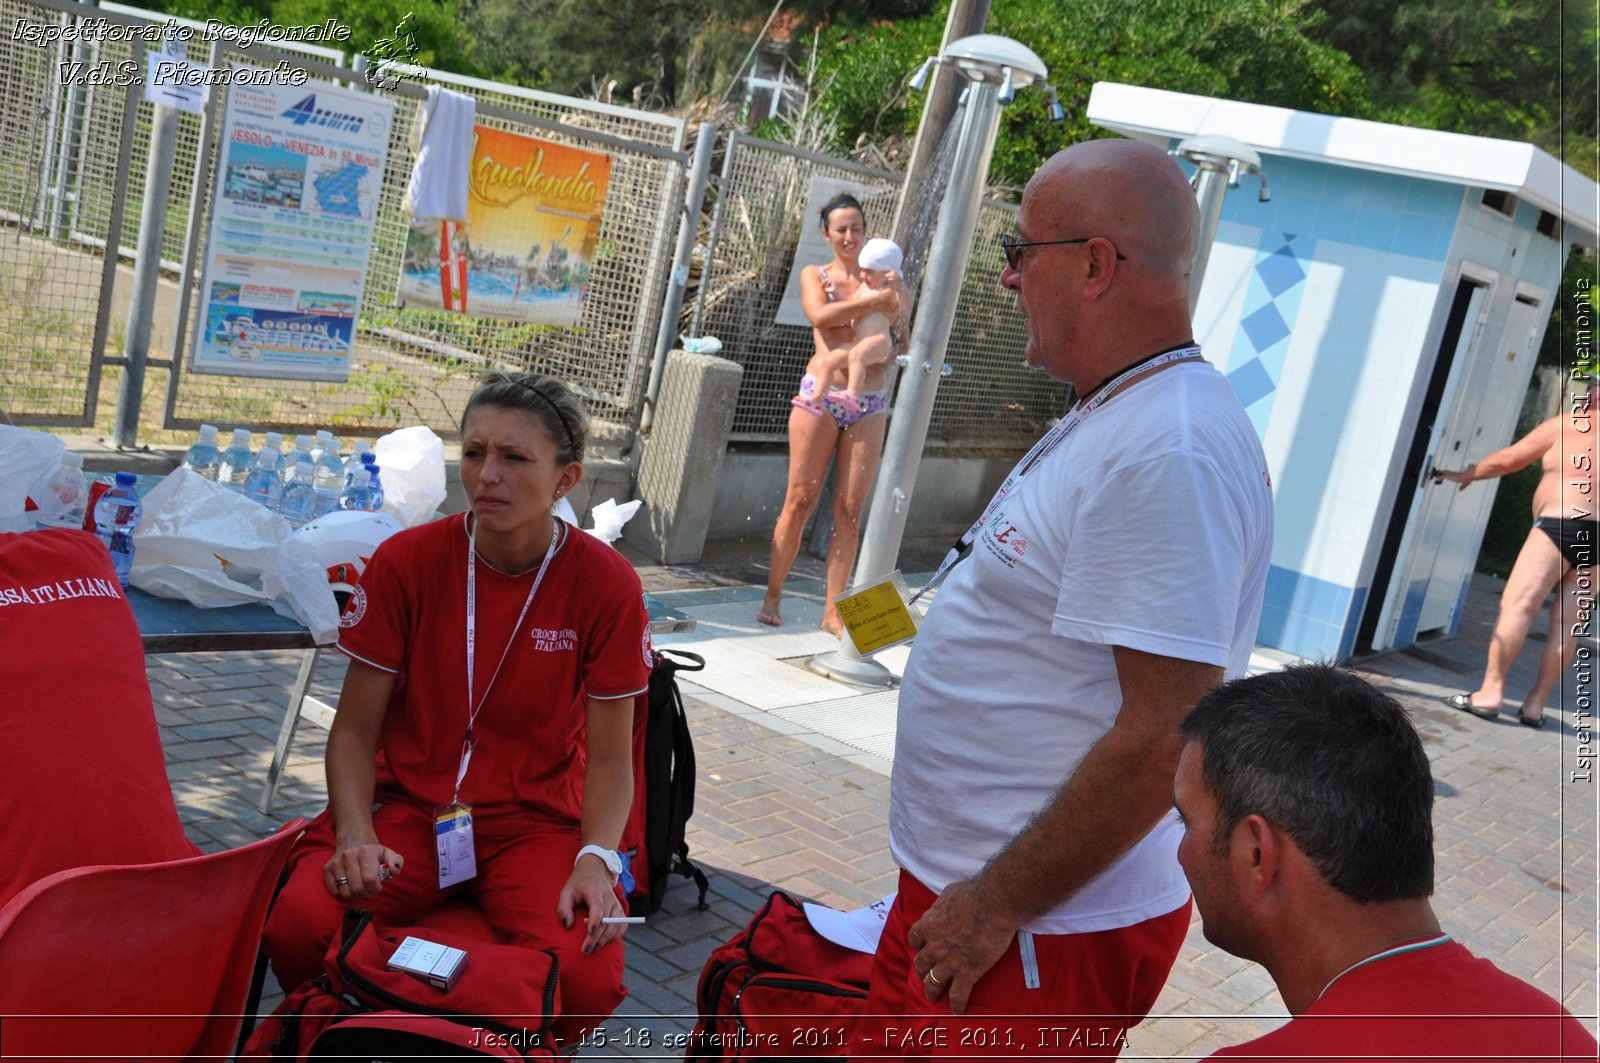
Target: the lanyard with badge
(1046, 446)
(452, 823)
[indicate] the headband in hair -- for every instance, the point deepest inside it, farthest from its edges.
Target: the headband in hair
(572, 439)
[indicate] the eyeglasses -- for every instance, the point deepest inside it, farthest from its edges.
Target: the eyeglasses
(1013, 247)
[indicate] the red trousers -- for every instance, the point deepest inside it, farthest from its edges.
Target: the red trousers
(1092, 988)
(521, 870)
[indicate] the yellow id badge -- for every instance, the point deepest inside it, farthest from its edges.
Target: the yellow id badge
(452, 839)
(877, 615)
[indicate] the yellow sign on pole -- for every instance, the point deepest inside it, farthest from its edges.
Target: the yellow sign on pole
(876, 616)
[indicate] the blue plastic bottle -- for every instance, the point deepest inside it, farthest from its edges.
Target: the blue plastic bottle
(374, 484)
(116, 516)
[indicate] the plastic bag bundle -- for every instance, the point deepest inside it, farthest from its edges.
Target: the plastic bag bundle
(209, 546)
(25, 456)
(412, 460)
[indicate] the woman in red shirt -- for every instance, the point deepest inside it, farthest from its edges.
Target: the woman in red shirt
(482, 745)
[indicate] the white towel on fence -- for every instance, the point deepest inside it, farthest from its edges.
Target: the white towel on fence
(442, 139)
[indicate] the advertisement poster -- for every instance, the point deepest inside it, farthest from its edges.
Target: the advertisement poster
(533, 220)
(291, 229)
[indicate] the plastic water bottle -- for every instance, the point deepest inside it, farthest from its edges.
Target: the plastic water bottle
(301, 451)
(299, 503)
(263, 484)
(236, 461)
(273, 450)
(358, 494)
(63, 496)
(375, 485)
(203, 456)
(116, 516)
(326, 441)
(328, 481)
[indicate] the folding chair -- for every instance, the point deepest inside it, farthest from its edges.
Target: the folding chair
(147, 961)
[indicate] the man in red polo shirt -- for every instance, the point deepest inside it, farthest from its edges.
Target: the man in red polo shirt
(1307, 802)
(82, 777)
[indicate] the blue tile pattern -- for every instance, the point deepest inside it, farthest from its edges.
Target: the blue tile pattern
(1271, 303)
(1309, 617)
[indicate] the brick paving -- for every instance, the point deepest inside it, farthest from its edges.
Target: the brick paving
(1515, 839)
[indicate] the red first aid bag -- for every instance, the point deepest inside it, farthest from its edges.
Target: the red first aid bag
(501, 1006)
(779, 989)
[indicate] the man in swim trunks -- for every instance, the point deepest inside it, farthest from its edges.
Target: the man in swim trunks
(1559, 553)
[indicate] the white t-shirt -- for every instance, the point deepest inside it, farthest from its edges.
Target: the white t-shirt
(1149, 527)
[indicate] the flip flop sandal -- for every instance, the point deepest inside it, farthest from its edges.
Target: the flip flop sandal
(1535, 722)
(1464, 703)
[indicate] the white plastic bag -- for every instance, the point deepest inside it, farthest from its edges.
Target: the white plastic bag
(412, 464)
(607, 518)
(212, 547)
(25, 456)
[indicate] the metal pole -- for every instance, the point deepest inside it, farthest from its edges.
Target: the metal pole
(688, 227)
(146, 272)
(913, 408)
(716, 223)
(1211, 184)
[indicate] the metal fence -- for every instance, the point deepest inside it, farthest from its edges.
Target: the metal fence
(409, 365)
(991, 401)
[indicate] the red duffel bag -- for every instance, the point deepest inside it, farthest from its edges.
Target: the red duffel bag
(779, 989)
(501, 1006)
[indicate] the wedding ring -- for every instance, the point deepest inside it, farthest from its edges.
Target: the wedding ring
(341, 881)
(932, 979)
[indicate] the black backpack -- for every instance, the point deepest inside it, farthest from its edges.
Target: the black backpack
(668, 784)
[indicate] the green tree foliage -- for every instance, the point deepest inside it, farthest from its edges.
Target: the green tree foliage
(1251, 50)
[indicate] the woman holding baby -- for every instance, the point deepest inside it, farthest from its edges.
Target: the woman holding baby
(857, 307)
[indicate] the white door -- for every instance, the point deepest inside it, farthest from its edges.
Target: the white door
(1493, 418)
(1432, 503)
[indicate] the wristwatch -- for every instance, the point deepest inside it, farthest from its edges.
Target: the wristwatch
(609, 857)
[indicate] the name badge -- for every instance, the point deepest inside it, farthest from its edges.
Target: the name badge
(877, 615)
(452, 838)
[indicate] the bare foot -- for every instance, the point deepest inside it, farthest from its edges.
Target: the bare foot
(769, 614)
(832, 624)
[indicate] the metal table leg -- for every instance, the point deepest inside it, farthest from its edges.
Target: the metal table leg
(291, 720)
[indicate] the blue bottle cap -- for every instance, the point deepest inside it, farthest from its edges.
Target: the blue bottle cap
(127, 479)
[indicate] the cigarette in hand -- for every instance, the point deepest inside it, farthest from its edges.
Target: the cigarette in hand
(630, 920)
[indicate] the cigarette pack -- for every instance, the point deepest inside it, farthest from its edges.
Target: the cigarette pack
(438, 965)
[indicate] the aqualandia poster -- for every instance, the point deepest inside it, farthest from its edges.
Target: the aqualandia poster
(527, 248)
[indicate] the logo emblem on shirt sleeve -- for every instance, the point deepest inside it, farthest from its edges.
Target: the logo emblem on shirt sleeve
(357, 608)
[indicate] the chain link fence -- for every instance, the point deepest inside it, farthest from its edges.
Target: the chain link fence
(992, 401)
(62, 153)
(72, 170)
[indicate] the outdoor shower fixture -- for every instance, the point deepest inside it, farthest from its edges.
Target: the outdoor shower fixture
(1219, 161)
(995, 68)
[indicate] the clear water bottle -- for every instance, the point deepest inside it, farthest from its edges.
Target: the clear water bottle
(263, 484)
(356, 461)
(63, 496)
(375, 485)
(116, 516)
(299, 503)
(358, 493)
(328, 475)
(302, 450)
(326, 441)
(203, 456)
(236, 461)
(273, 451)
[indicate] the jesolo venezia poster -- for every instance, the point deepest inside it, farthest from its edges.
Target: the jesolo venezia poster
(292, 219)
(525, 253)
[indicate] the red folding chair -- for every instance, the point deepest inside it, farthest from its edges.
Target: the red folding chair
(147, 961)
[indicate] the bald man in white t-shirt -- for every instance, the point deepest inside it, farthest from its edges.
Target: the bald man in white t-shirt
(1114, 580)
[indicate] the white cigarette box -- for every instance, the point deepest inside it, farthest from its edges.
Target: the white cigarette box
(438, 965)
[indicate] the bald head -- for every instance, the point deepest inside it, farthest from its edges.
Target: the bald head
(1132, 194)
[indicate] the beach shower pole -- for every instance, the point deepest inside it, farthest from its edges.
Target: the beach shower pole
(995, 67)
(1219, 161)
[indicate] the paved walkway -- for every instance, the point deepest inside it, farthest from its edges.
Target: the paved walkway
(783, 804)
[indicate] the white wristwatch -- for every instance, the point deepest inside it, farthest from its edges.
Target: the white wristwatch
(609, 857)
